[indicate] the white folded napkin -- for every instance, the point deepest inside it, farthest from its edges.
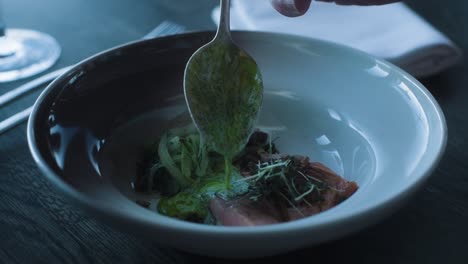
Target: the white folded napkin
(393, 32)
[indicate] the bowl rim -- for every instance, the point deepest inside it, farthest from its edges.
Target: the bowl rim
(176, 225)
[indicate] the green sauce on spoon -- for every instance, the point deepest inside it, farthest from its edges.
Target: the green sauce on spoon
(224, 91)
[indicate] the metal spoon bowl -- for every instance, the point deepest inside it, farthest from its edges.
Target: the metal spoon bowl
(224, 90)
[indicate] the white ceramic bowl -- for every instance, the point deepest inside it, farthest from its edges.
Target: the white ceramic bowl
(363, 117)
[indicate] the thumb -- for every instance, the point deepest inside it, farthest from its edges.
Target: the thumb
(291, 8)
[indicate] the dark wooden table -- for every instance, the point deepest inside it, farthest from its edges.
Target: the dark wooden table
(37, 225)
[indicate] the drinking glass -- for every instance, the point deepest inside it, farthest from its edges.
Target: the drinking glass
(25, 52)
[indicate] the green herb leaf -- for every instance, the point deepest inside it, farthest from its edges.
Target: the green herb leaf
(168, 162)
(186, 162)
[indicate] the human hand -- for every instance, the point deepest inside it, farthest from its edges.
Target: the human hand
(294, 8)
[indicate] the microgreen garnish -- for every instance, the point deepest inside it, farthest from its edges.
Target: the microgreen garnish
(281, 177)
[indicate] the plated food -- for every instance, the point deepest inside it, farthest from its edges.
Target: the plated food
(218, 170)
(266, 186)
(363, 117)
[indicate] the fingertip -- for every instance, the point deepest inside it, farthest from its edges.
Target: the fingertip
(291, 8)
(302, 5)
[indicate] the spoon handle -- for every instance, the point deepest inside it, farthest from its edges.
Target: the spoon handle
(224, 31)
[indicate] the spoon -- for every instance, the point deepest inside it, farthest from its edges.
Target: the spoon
(224, 91)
